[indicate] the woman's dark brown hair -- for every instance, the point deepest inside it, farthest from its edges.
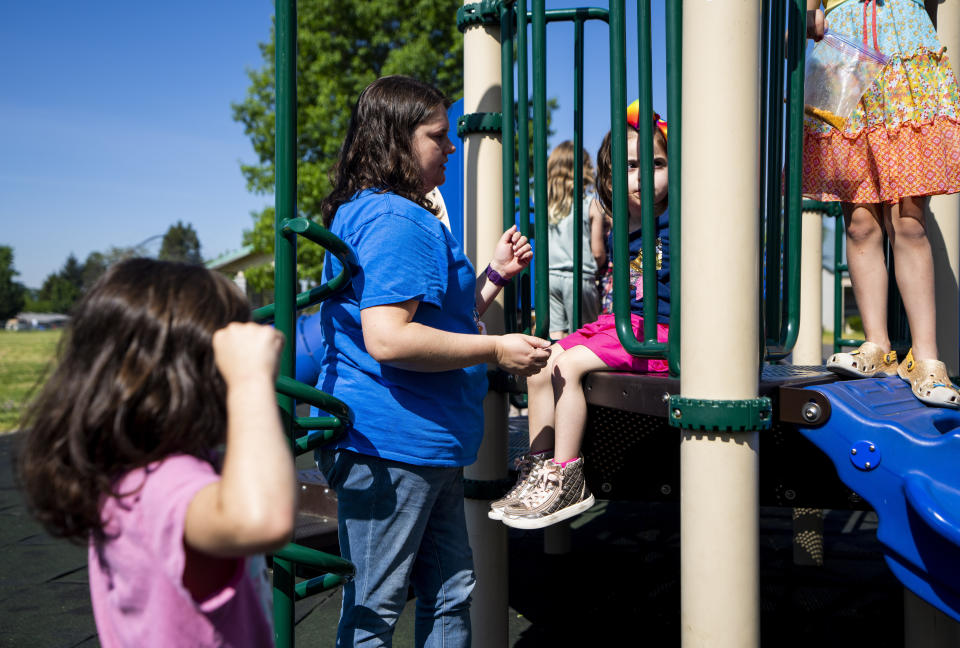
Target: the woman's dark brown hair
(605, 167)
(377, 152)
(136, 381)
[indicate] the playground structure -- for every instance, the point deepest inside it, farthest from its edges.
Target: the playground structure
(725, 399)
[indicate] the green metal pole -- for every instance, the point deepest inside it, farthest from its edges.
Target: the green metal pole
(794, 157)
(578, 171)
(674, 20)
(507, 25)
(618, 126)
(285, 259)
(645, 139)
(523, 154)
(540, 168)
(618, 154)
(771, 196)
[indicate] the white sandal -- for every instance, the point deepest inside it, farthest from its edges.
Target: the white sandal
(929, 381)
(866, 362)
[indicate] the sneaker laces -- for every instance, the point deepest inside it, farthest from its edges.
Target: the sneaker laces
(548, 480)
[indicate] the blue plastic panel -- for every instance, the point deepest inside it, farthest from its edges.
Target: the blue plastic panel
(912, 482)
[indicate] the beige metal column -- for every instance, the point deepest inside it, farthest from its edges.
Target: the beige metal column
(808, 522)
(809, 347)
(944, 228)
(719, 549)
(483, 204)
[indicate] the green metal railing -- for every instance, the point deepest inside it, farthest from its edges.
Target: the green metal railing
(304, 433)
(781, 210)
(615, 17)
(781, 164)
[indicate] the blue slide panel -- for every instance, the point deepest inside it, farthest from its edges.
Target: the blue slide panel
(903, 458)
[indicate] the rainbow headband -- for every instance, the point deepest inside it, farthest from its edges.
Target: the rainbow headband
(633, 118)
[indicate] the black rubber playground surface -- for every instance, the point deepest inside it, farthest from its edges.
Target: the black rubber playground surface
(618, 586)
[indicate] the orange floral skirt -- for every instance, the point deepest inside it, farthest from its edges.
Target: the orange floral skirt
(903, 139)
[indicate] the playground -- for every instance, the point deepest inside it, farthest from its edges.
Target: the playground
(745, 497)
(624, 555)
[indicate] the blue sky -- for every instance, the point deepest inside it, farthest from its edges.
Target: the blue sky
(115, 119)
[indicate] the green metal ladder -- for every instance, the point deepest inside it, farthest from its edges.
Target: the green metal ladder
(305, 433)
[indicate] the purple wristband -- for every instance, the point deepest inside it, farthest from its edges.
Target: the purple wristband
(495, 277)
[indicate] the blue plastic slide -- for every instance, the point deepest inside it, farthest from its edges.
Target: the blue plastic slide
(903, 458)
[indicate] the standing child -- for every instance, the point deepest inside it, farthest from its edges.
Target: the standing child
(561, 169)
(158, 369)
(900, 145)
(551, 487)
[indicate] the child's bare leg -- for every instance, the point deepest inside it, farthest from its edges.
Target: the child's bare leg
(540, 404)
(907, 229)
(571, 407)
(868, 273)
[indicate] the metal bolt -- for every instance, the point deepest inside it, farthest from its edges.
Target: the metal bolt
(606, 487)
(790, 494)
(666, 489)
(666, 397)
(853, 451)
(866, 464)
(677, 413)
(810, 413)
(873, 448)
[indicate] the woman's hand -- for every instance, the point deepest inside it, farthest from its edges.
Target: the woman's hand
(521, 354)
(512, 254)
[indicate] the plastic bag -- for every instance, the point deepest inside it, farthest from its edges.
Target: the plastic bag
(837, 73)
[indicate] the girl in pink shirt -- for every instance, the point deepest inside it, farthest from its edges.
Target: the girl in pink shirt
(158, 370)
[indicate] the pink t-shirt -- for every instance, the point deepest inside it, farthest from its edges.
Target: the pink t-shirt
(136, 575)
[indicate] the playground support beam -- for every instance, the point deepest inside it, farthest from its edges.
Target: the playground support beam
(807, 522)
(809, 347)
(482, 209)
(923, 625)
(719, 513)
(943, 220)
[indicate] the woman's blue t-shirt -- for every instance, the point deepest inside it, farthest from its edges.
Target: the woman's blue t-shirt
(404, 252)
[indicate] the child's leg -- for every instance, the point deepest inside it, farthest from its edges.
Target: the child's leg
(907, 229)
(571, 407)
(541, 402)
(868, 273)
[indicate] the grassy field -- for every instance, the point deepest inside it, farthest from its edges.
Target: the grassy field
(25, 357)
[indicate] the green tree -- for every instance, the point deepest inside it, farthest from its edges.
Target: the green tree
(180, 243)
(341, 47)
(60, 290)
(12, 293)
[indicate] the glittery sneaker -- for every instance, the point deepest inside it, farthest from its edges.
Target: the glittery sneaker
(559, 493)
(528, 466)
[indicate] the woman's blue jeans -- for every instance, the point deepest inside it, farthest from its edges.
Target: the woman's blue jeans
(401, 525)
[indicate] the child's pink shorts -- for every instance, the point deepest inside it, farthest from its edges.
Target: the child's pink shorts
(601, 338)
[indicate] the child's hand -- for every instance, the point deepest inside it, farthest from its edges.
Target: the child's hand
(512, 254)
(244, 350)
(816, 25)
(521, 354)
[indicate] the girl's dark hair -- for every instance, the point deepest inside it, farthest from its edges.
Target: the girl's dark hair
(377, 152)
(605, 167)
(136, 381)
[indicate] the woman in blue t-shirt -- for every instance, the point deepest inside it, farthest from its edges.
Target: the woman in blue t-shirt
(401, 346)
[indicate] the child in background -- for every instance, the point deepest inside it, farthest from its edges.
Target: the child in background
(159, 368)
(560, 207)
(551, 487)
(900, 145)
